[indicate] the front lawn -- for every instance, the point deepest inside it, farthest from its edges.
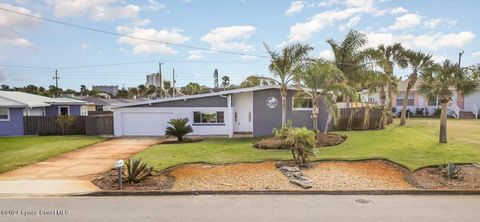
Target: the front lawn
(16, 152)
(413, 146)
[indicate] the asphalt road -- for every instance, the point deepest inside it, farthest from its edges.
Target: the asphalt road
(244, 208)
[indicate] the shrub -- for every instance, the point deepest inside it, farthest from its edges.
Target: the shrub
(283, 132)
(65, 123)
(437, 112)
(135, 170)
(301, 142)
(419, 111)
(178, 128)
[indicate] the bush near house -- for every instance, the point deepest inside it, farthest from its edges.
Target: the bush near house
(178, 128)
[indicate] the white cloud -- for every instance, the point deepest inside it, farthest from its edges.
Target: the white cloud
(476, 54)
(195, 55)
(145, 47)
(230, 38)
(295, 7)
(440, 58)
(398, 10)
(12, 25)
(326, 54)
(154, 5)
(434, 22)
(351, 23)
(85, 46)
(98, 10)
(430, 41)
(406, 21)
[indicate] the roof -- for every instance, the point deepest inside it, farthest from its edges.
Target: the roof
(211, 94)
(95, 100)
(21, 99)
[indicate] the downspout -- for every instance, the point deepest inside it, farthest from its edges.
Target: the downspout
(229, 114)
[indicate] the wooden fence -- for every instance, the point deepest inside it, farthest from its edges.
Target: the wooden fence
(353, 119)
(82, 125)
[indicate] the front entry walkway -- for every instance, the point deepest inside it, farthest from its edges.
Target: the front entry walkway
(81, 164)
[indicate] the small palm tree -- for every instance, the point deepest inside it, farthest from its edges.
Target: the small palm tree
(440, 81)
(178, 128)
(386, 57)
(283, 66)
(419, 62)
(322, 81)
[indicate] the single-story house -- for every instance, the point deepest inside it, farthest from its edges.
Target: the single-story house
(15, 105)
(468, 106)
(255, 111)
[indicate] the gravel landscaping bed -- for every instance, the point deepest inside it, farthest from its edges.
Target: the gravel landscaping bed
(432, 178)
(109, 181)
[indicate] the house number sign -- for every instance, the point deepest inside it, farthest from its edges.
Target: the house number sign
(272, 102)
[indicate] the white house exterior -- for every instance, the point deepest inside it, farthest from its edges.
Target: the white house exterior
(459, 105)
(254, 111)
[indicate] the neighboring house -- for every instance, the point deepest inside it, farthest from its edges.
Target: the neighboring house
(15, 105)
(468, 106)
(94, 104)
(111, 90)
(254, 111)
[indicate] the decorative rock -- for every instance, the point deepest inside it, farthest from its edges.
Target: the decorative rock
(290, 169)
(296, 176)
(305, 184)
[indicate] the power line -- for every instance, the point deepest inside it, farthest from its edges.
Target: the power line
(129, 36)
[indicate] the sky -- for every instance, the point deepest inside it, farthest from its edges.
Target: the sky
(440, 27)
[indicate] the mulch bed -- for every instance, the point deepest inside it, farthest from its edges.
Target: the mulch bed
(158, 181)
(330, 139)
(432, 178)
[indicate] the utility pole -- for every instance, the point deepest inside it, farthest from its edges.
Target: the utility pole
(173, 82)
(56, 82)
(161, 77)
(460, 58)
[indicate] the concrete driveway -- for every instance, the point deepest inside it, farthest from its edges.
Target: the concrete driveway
(75, 166)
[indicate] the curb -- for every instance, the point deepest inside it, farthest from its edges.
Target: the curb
(283, 192)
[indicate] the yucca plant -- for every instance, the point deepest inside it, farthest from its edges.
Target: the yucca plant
(135, 170)
(451, 171)
(178, 128)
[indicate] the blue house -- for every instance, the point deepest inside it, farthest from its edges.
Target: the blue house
(15, 105)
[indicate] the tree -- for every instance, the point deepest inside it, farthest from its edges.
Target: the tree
(283, 66)
(191, 88)
(178, 128)
(387, 57)
(5, 87)
(349, 58)
(83, 90)
(322, 80)
(225, 81)
(419, 62)
(440, 81)
(142, 89)
(132, 92)
(253, 80)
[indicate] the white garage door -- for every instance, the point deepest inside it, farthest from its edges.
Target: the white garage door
(145, 123)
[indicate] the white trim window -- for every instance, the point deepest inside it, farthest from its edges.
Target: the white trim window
(83, 111)
(4, 114)
(64, 110)
(208, 117)
(302, 103)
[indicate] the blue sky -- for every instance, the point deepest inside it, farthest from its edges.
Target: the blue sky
(440, 27)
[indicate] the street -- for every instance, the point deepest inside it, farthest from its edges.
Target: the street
(243, 208)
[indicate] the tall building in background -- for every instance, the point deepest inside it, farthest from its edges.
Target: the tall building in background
(112, 90)
(154, 79)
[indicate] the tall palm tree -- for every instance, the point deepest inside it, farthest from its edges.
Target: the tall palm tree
(349, 58)
(387, 57)
(440, 81)
(283, 66)
(418, 61)
(321, 81)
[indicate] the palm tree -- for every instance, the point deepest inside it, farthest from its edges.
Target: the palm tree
(283, 66)
(192, 88)
(419, 62)
(349, 58)
(440, 81)
(387, 57)
(322, 81)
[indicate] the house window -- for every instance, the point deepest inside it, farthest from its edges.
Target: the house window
(83, 111)
(4, 114)
(208, 117)
(236, 117)
(63, 111)
(411, 99)
(302, 103)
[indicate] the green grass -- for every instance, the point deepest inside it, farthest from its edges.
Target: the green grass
(414, 145)
(20, 151)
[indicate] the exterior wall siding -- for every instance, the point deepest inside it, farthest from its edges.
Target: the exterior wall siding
(265, 118)
(13, 127)
(214, 101)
